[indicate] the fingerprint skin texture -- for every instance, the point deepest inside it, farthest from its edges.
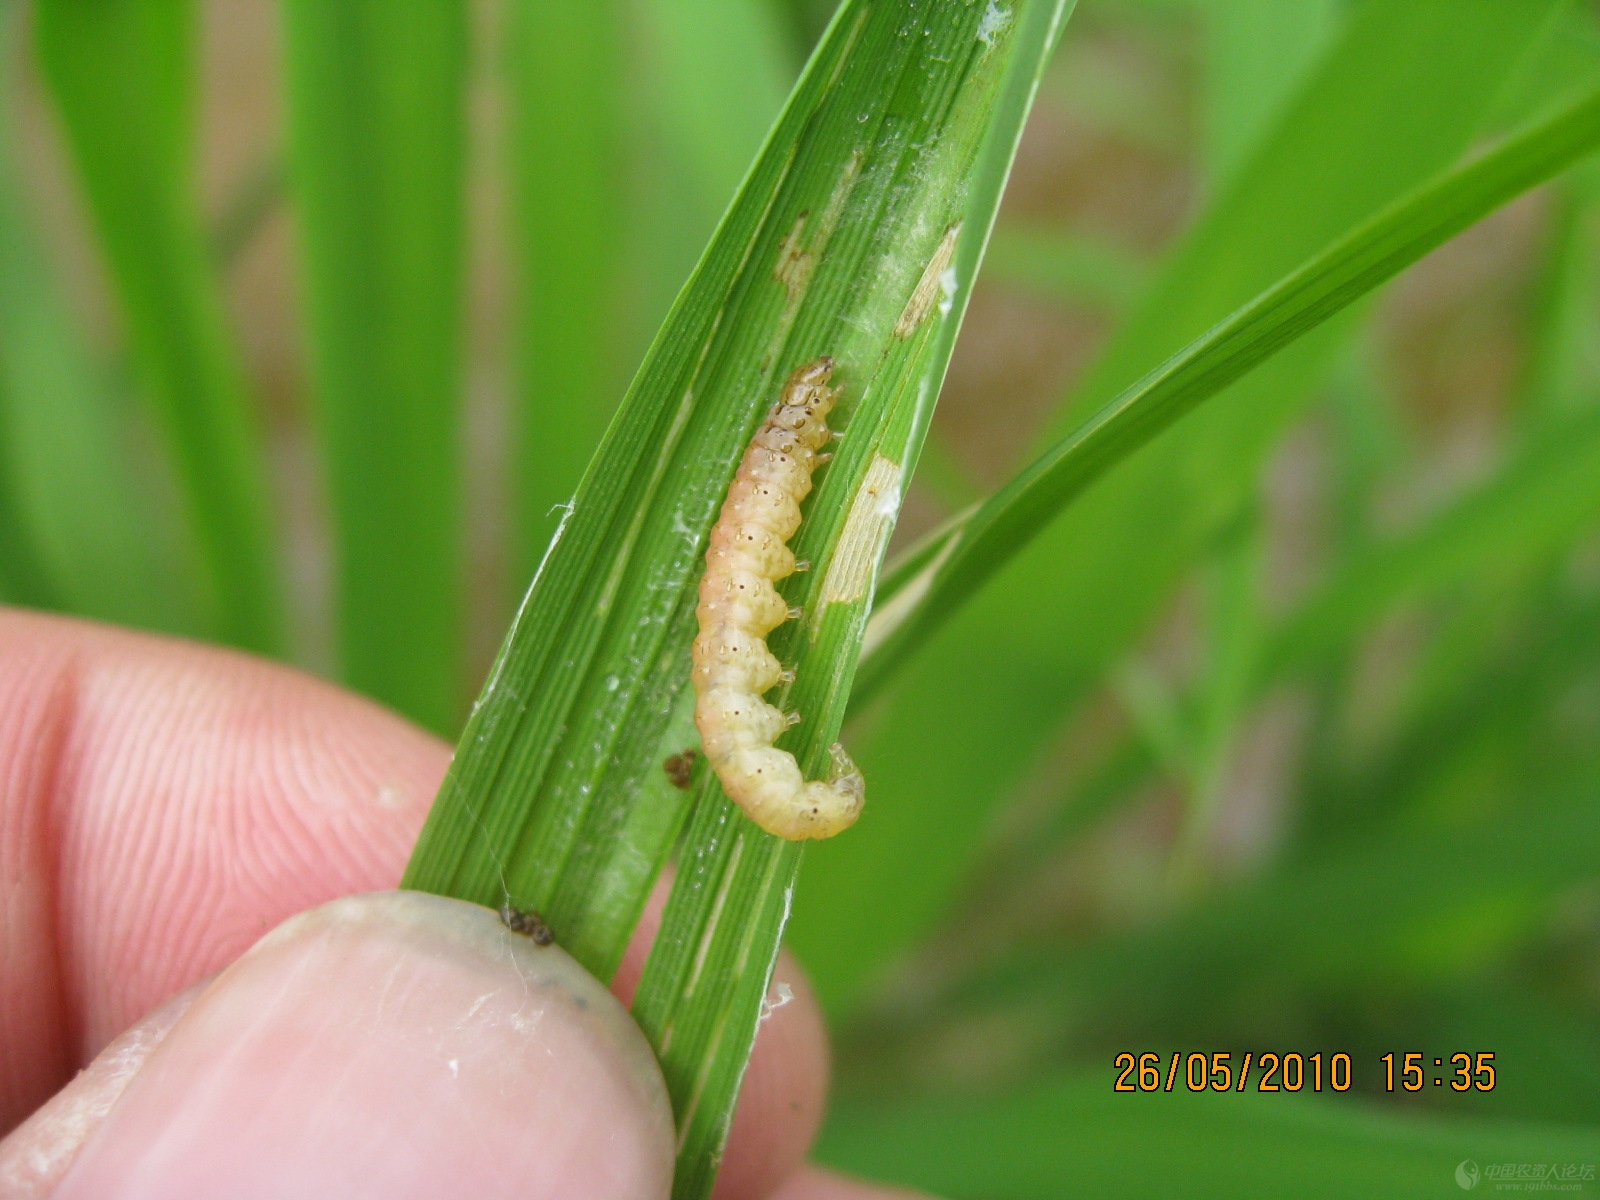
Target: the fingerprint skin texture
(739, 606)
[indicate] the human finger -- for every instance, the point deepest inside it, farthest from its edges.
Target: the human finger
(193, 797)
(162, 805)
(389, 1045)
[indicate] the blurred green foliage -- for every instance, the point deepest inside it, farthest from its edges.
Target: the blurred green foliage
(1283, 737)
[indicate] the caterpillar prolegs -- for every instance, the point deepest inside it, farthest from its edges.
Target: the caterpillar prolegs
(739, 606)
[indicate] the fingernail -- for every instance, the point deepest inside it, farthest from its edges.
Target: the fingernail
(36, 1154)
(396, 1045)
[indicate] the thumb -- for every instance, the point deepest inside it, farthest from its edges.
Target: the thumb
(392, 1045)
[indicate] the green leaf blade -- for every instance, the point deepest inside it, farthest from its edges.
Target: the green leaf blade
(855, 238)
(1074, 1135)
(377, 136)
(121, 74)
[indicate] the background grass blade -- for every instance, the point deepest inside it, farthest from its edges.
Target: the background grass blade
(1066, 268)
(706, 82)
(1406, 909)
(23, 577)
(1535, 504)
(719, 75)
(122, 75)
(998, 680)
(565, 69)
(631, 125)
(541, 803)
(81, 535)
(1257, 53)
(1075, 1135)
(377, 142)
(100, 547)
(1352, 267)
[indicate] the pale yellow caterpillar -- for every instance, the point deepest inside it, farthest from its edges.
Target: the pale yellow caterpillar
(739, 606)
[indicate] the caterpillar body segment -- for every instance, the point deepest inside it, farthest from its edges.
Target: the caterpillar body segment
(739, 606)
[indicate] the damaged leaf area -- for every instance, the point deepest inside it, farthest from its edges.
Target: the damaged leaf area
(865, 534)
(855, 236)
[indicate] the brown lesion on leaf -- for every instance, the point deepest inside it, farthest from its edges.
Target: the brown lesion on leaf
(798, 253)
(932, 288)
(794, 266)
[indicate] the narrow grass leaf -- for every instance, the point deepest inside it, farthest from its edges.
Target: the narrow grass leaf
(122, 74)
(707, 978)
(377, 136)
(1535, 504)
(1076, 1136)
(78, 525)
(1347, 270)
(246, 211)
(703, 84)
(857, 234)
(565, 66)
(1414, 902)
(722, 74)
(1257, 52)
(1396, 100)
(1477, 717)
(631, 125)
(23, 577)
